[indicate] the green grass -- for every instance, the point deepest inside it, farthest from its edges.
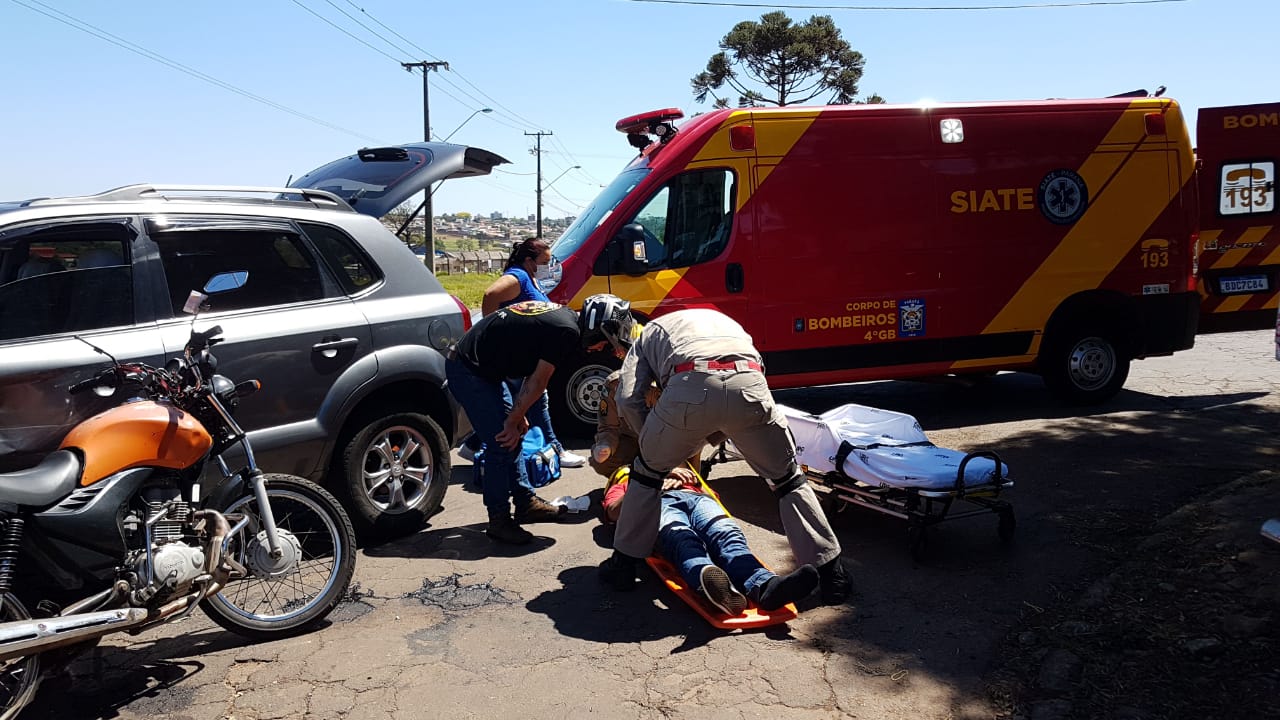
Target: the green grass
(469, 287)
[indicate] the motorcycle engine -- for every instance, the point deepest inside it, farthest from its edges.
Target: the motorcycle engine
(178, 561)
(175, 563)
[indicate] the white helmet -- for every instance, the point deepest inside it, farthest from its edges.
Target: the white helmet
(606, 317)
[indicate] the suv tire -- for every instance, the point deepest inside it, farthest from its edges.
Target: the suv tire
(396, 469)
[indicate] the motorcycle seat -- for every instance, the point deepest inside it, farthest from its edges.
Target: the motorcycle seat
(43, 485)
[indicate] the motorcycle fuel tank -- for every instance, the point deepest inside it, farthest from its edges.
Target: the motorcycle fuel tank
(139, 434)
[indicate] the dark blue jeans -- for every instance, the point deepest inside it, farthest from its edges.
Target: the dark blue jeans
(538, 415)
(487, 404)
(695, 532)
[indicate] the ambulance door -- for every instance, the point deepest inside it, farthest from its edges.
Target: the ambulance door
(1238, 149)
(682, 246)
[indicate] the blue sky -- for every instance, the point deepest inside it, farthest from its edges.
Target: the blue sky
(82, 114)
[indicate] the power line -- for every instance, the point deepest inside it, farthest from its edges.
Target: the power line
(715, 3)
(78, 24)
(344, 31)
(566, 199)
(398, 48)
(490, 98)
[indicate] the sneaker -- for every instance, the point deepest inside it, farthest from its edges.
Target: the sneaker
(571, 460)
(720, 592)
(619, 572)
(505, 530)
(782, 589)
(539, 510)
(467, 453)
(835, 583)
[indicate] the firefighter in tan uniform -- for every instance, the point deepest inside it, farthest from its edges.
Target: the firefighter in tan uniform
(712, 380)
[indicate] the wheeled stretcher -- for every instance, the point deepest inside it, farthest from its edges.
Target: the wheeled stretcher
(882, 460)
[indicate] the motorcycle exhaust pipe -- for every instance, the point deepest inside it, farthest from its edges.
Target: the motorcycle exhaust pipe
(26, 637)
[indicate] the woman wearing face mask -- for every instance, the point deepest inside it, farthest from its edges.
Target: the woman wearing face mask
(529, 263)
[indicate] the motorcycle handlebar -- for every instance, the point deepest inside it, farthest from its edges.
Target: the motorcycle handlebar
(202, 340)
(89, 384)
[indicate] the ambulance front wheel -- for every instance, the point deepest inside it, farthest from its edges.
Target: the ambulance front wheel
(575, 393)
(1083, 366)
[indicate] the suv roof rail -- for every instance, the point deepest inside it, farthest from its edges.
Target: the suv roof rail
(317, 198)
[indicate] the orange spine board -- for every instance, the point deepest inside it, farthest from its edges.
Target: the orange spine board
(139, 434)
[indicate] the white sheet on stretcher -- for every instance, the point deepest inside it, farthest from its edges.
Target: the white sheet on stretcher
(889, 449)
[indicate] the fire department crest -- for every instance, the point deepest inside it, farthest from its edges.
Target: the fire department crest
(910, 318)
(1063, 196)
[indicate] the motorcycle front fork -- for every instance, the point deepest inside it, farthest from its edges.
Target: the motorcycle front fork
(258, 485)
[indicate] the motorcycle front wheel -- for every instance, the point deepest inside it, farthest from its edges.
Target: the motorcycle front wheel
(19, 677)
(290, 594)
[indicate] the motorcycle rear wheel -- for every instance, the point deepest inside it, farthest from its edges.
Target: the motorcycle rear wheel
(291, 595)
(19, 677)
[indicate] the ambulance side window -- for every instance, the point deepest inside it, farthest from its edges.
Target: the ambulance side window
(689, 220)
(653, 218)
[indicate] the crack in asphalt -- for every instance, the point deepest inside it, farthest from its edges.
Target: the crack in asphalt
(450, 595)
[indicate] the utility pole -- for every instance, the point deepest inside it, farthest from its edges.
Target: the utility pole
(429, 238)
(538, 154)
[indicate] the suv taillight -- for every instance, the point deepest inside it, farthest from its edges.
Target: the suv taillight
(466, 313)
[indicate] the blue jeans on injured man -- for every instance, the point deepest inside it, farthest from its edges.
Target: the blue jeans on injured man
(696, 532)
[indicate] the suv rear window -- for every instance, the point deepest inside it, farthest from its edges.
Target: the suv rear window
(352, 269)
(65, 279)
(281, 269)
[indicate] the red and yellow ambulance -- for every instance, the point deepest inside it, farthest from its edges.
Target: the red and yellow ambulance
(893, 241)
(1239, 150)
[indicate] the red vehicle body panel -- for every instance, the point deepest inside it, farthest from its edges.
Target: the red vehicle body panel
(1240, 227)
(864, 245)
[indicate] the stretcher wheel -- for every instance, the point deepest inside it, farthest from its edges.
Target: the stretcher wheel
(1008, 523)
(916, 540)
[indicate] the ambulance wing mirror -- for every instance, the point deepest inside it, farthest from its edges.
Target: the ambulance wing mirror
(630, 247)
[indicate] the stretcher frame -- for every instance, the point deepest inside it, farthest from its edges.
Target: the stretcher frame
(921, 508)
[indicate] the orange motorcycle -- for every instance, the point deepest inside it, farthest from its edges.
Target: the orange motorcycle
(113, 532)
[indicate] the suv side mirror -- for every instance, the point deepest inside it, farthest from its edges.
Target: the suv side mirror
(225, 281)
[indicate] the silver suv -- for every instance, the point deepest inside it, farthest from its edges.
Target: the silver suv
(340, 321)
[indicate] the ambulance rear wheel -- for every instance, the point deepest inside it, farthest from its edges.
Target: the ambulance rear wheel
(1083, 366)
(575, 393)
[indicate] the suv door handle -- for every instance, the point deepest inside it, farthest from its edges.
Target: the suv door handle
(336, 344)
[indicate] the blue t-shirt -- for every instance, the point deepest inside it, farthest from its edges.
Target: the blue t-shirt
(529, 289)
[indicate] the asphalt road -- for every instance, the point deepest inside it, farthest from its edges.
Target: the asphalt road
(447, 624)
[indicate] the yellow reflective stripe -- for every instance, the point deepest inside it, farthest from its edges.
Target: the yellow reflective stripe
(644, 292)
(776, 136)
(1126, 205)
(648, 290)
(1232, 257)
(594, 285)
(1232, 303)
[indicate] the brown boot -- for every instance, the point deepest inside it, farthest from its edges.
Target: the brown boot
(539, 510)
(505, 530)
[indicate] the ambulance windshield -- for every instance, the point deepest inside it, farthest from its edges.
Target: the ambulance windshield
(597, 212)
